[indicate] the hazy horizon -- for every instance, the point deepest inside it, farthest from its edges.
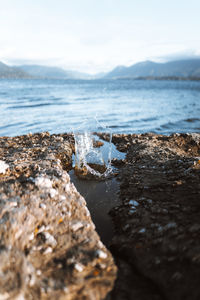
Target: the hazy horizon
(27, 63)
(93, 36)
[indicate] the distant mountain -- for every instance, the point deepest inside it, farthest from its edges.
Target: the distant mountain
(43, 71)
(180, 69)
(39, 71)
(12, 72)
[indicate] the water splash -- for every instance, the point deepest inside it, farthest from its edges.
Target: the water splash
(91, 158)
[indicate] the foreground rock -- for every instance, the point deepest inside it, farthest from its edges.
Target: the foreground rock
(48, 245)
(49, 248)
(157, 226)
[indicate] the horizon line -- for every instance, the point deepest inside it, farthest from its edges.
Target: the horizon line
(157, 61)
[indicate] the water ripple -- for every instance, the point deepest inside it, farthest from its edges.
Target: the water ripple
(124, 105)
(35, 105)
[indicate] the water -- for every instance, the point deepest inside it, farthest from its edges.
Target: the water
(91, 155)
(101, 195)
(126, 106)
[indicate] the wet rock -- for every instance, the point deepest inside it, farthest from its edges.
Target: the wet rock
(157, 242)
(49, 248)
(195, 228)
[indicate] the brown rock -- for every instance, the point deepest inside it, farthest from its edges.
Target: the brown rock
(49, 248)
(157, 242)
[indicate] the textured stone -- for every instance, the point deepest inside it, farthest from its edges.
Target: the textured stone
(157, 245)
(49, 248)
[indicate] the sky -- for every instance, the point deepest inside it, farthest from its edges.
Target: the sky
(97, 35)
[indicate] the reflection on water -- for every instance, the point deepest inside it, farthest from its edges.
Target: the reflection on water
(100, 196)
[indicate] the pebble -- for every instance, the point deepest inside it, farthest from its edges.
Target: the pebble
(48, 250)
(132, 210)
(53, 193)
(127, 226)
(100, 244)
(67, 187)
(149, 201)
(170, 226)
(78, 267)
(160, 228)
(66, 290)
(143, 230)
(31, 237)
(41, 229)
(42, 205)
(87, 211)
(43, 182)
(50, 239)
(38, 272)
(12, 204)
(62, 197)
(133, 202)
(77, 226)
(101, 254)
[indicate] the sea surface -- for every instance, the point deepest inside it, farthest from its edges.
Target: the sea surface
(125, 106)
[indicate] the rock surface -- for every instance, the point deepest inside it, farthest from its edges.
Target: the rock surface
(49, 248)
(157, 226)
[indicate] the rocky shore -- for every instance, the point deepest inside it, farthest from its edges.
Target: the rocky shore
(49, 247)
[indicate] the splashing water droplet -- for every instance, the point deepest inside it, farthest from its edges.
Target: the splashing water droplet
(91, 159)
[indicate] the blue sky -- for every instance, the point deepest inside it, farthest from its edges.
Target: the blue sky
(97, 35)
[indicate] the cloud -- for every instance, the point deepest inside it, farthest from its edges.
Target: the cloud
(95, 36)
(178, 55)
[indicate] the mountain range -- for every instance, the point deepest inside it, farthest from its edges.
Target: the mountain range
(38, 71)
(12, 72)
(181, 69)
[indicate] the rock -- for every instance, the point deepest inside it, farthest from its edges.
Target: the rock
(194, 228)
(156, 243)
(49, 248)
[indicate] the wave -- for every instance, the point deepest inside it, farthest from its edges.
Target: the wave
(191, 120)
(12, 125)
(180, 126)
(35, 105)
(124, 106)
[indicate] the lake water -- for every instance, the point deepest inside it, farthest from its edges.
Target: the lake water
(126, 106)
